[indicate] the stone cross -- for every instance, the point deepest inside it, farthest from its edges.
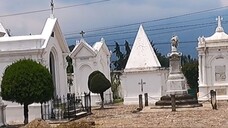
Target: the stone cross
(219, 19)
(82, 33)
(52, 7)
(219, 27)
(141, 83)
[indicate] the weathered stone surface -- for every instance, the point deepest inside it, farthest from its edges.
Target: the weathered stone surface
(121, 116)
(37, 123)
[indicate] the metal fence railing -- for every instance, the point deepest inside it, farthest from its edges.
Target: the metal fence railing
(68, 107)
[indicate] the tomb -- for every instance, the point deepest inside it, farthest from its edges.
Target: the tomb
(143, 72)
(213, 66)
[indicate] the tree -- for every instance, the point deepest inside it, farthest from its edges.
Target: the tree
(69, 68)
(98, 83)
(190, 71)
(164, 61)
(120, 57)
(127, 53)
(25, 82)
(119, 64)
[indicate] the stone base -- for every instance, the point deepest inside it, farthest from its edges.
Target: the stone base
(177, 92)
(180, 100)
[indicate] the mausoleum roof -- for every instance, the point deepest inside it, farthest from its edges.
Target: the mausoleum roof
(35, 42)
(219, 38)
(142, 56)
(83, 49)
(98, 46)
(219, 32)
(3, 32)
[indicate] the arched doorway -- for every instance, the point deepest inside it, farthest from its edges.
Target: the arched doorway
(85, 71)
(52, 70)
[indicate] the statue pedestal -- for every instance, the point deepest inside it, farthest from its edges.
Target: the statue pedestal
(176, 83)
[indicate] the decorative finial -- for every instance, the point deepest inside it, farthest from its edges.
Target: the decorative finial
(174, 43)
(102, 40)
(82, 33)
(52, 8)
(219, 27)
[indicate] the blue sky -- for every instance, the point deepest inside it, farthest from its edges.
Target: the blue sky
(119, 13)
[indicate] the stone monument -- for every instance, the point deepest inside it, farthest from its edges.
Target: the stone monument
(176, 83)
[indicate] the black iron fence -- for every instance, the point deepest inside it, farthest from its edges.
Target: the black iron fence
(68, 107)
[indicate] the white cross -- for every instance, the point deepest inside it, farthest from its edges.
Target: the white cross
(219, 19)
(141, 83)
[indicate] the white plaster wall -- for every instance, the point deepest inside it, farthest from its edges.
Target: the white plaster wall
(60, 65)
(9, 58)
(131, 88)
(83, 67)
(103, 63)
(82, 70)
(216, 56)
(15, 113)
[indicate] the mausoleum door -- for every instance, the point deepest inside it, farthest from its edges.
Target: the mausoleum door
(52, 70)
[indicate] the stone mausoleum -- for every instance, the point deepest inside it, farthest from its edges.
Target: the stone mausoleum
(213, 64)
(87, 59)
(143, 72)
(49, 48)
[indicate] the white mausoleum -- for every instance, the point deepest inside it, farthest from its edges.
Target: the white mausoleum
(49, 48)
(87, 59)
(213, 64)
(143, 73)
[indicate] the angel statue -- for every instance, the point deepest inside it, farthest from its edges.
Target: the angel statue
(174, 43)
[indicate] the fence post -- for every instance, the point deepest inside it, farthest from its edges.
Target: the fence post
(213, 99)
(85, 101)
(68, 106)
(89, 103)
(41, 109)
(173, 103)
(146, 99)
(74, 102)
(140, 102)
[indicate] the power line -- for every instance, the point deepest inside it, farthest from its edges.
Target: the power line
(186, 27)
(163, 43)
(162, 33)
(57, 8)
(157, 29)
(156, 20)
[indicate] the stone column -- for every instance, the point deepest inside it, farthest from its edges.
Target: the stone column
(200, 69)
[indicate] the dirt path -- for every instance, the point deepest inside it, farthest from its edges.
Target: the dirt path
(123, 116)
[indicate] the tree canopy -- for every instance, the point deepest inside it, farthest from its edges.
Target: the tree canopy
(25, 82)
(98, 83)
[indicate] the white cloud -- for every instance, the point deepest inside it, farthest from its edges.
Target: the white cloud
(224, 2)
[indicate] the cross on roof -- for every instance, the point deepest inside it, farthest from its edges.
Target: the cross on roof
(82, 33)
(219, 19)
(219, 27)
(52, 7)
